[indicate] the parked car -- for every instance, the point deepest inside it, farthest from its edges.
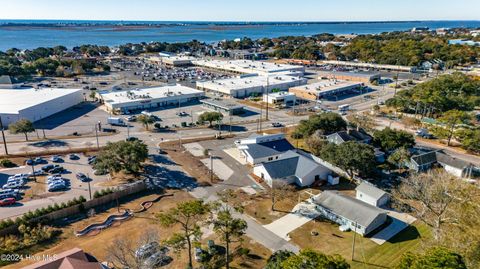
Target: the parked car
(13, 185)
(57, 170)
(147, 250)
(276, 124)
(40, 160)
(29, 162)
(6, 193)
(57, 186)
(131, 139)
(82, 177)
(48, 167)
(56, 159)
(157, 260)
(7, 201)
(131, 118)
(37, 173)
(73, 157)
(92, 159)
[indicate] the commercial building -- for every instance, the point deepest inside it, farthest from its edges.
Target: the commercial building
(387, 67)
(291, 168)
(249, 67)
(241, 87)
(226, 107)
(350, 213)
(363, 77)
(146, 98)
(172, 60)
(36, 104)
(279, 98)
(325, 88)
(463, 42)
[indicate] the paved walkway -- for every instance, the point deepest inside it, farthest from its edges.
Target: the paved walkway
(301, 214)
(255, 231)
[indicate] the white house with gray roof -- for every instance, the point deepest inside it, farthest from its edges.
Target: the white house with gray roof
(371, 195)
(263, 148)
(291, 168)
(349, 213)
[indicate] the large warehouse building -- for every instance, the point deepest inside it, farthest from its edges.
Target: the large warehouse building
(324, 88)
(36, 104)
(246, 86)
(250, 67)
(138, 99)
(364, 77)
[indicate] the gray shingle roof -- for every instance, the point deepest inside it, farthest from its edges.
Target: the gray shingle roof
(451, 161)
(425, 158)
(340, 137)
(266, 149)
(370, 190)
(282, 168)
(348, 207)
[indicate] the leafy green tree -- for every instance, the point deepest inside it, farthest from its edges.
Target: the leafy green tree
(327, 123)
(470, 139)
(451, 119)
(434, 258)
(433, 97)
(277, 258)
(188, 215)
(125, 156)
(352, 157)
(391, 139)
(23, 126)
(145, 120)
(310, 259)
(399, 157)
(210, 117)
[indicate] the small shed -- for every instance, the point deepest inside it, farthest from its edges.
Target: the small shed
(372, 195)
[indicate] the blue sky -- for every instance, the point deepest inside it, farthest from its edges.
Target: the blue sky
(242, 10)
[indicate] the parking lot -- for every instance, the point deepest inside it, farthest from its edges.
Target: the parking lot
(38, 190)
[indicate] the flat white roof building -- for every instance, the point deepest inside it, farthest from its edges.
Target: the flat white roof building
(145, 98)
(279, 98)
(36, 104)
(250, 67)
(173, 60)
(324, 88)
(245, 86)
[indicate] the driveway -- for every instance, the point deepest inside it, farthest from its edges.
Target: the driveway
(301, 214)
(400, 221)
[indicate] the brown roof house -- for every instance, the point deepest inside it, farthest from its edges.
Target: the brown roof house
(74, 258)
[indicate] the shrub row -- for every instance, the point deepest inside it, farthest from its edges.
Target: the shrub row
(27, 217)
(103, 192)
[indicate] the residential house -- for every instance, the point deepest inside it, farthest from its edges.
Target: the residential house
(292, 168)
(264, 148)
(372, 195)
(454, 166)
(74, 258)
(349, 213)
(425, 161)
(358, 136)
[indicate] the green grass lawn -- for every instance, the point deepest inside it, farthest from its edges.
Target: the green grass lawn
(367, 254)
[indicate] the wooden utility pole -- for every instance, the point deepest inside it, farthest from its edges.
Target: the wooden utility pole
(3, 137)
(354, 237)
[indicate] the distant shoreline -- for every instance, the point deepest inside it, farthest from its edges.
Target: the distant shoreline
(148, 24)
